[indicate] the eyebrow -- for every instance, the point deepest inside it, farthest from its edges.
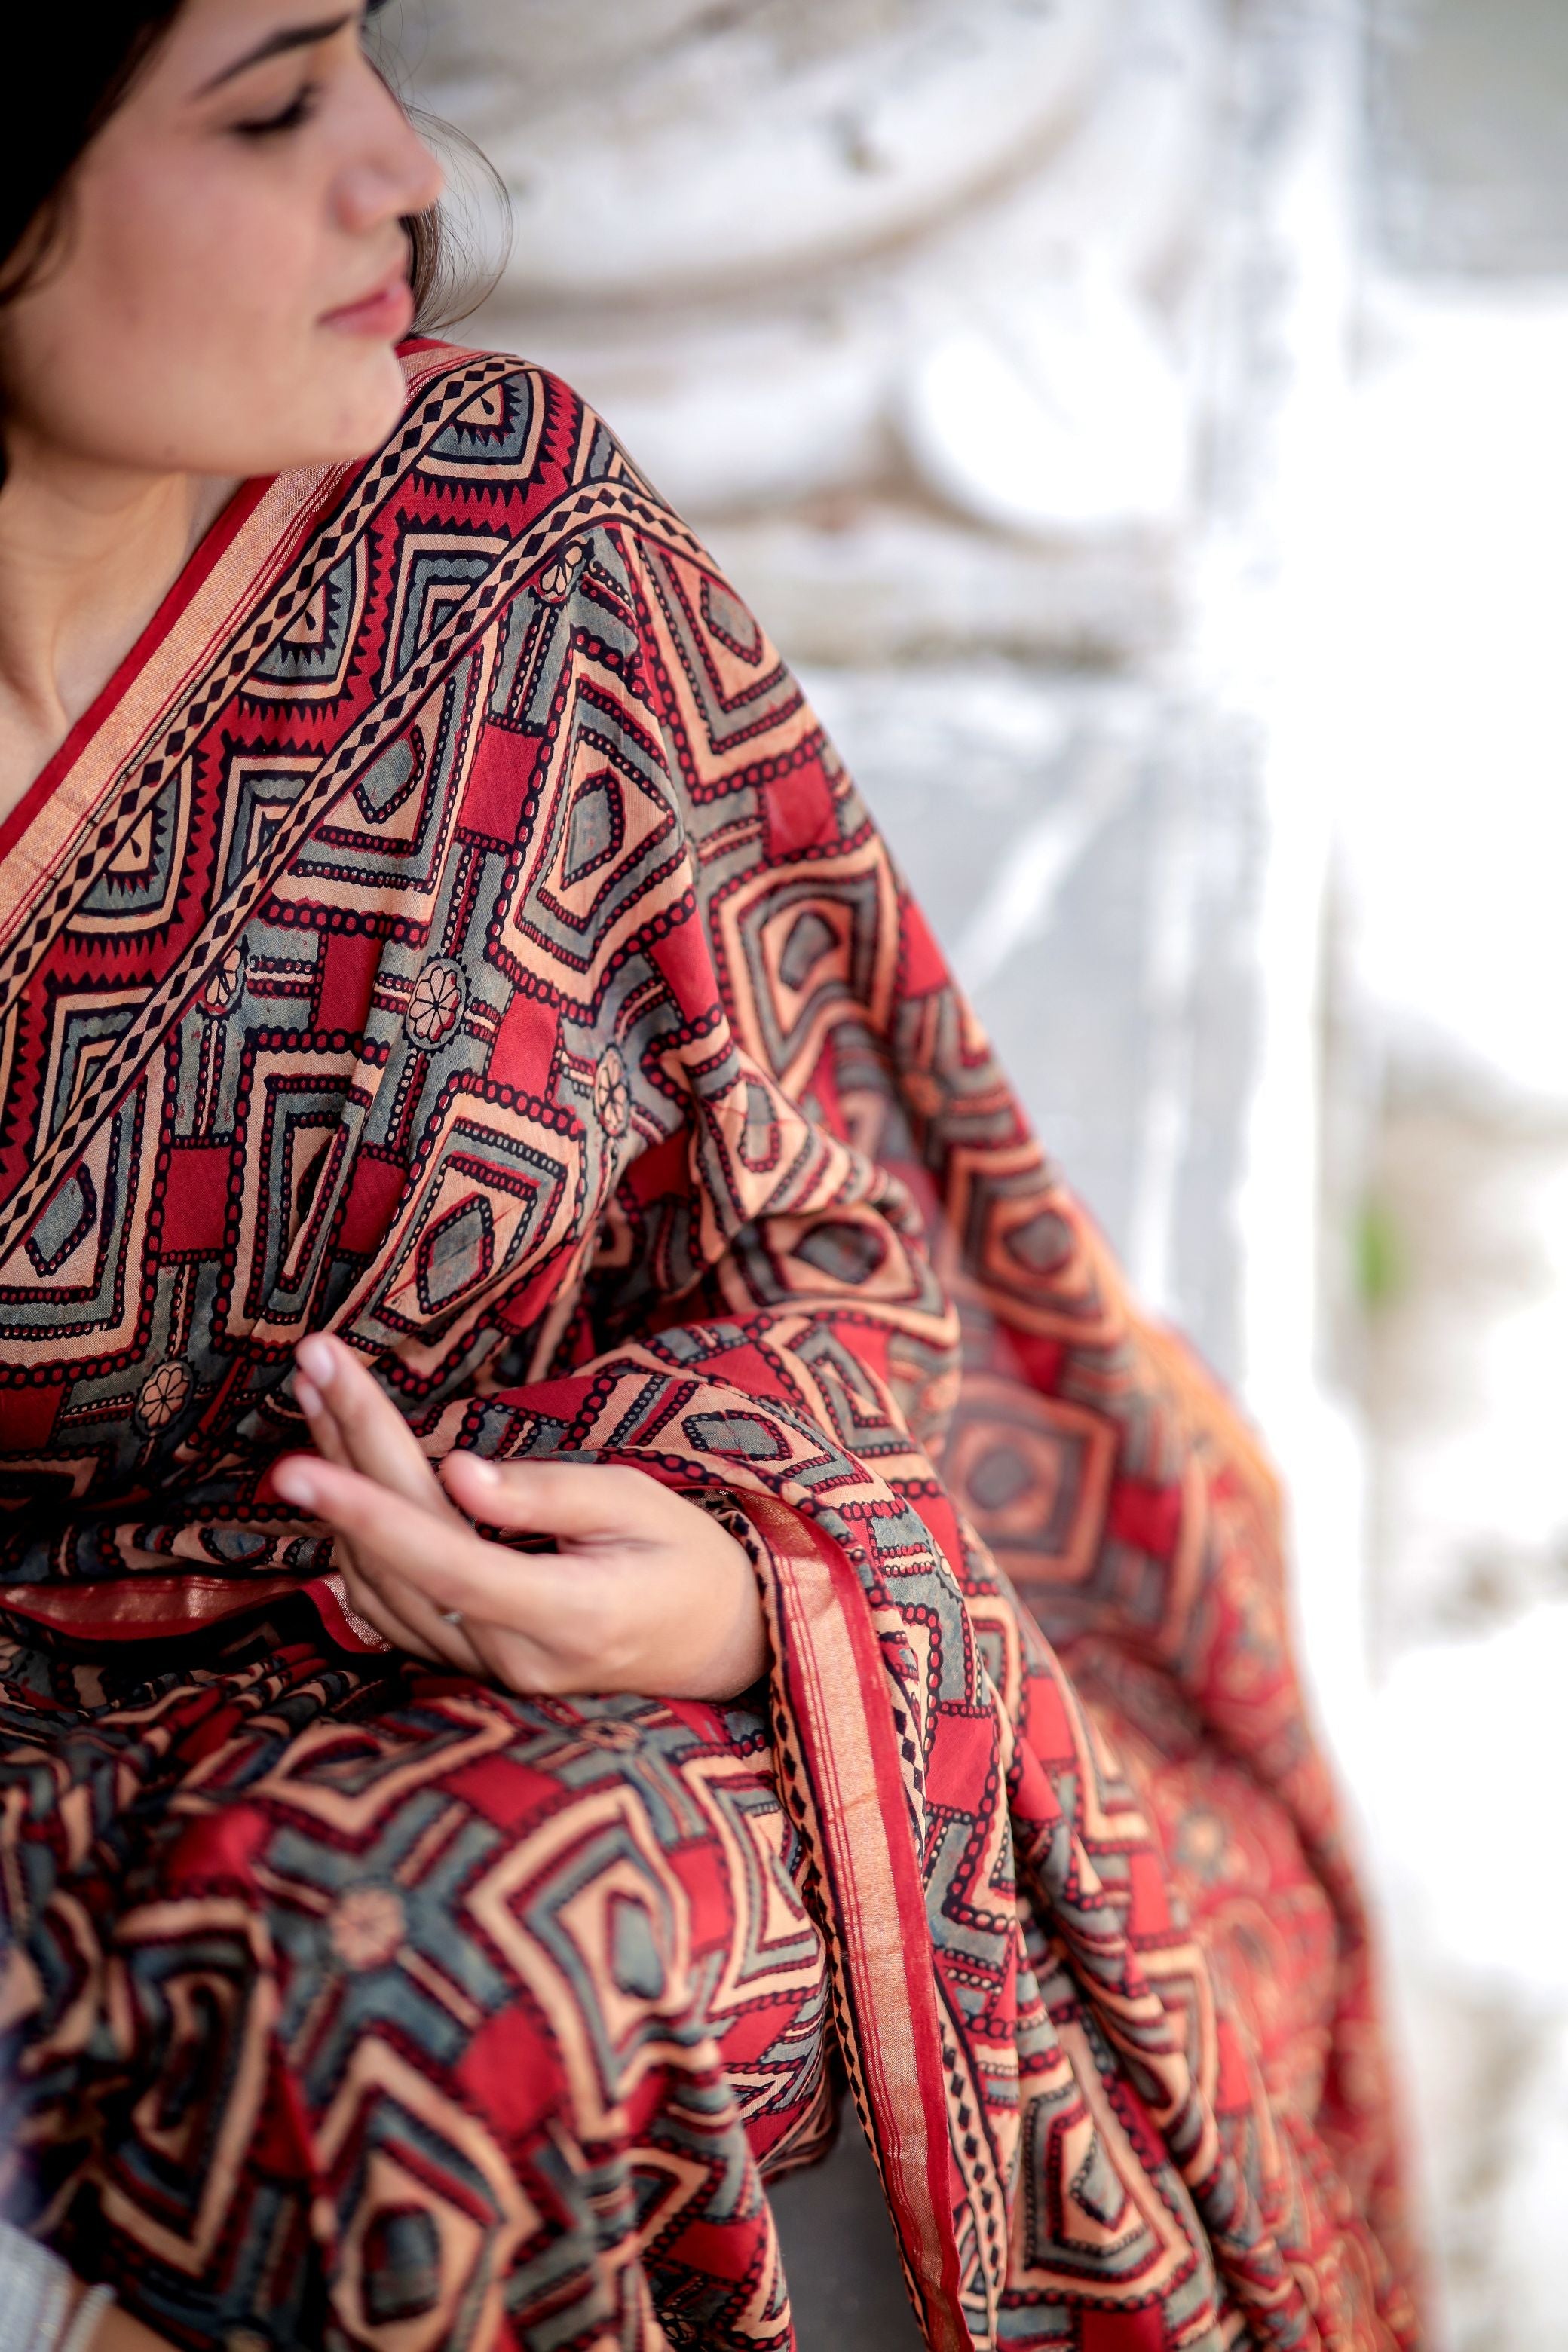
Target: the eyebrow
(290, 36)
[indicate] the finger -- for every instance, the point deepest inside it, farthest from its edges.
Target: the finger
(361, 1425)
(400, 1611)
(550, 1622)
(328, 1442)
(511, 1659)
(369, 1602)
(584, 1502)
(321, 1421)
(375, 1437)
(409, 1621)
(441, 1559)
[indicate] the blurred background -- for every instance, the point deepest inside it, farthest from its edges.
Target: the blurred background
(1142, 422)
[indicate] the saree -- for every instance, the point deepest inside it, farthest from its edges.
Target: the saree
(453, 930)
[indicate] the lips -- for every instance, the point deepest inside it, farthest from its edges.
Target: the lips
(385, 314)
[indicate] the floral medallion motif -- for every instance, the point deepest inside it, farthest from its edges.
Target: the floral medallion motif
(613, 1093)
(165, 1395)
(367, 1926)
(221, 990)
(435, 1007)
(558, 581)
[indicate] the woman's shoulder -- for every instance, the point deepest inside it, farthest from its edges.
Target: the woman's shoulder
(512, 477)
(439, 372)
(492, 422)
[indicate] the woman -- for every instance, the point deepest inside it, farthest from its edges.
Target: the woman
(502, 1213)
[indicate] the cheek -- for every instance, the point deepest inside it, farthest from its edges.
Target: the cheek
(184, 334)
(184, 263)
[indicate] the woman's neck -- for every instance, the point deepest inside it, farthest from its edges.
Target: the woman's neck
(87, 554)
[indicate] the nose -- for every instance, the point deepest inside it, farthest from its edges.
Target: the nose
(394, 173)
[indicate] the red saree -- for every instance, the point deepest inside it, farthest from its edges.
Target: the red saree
(453, 930)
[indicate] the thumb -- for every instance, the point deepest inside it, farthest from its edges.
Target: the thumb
(579, 1500)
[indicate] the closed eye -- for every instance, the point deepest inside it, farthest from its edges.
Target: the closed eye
(297, 111)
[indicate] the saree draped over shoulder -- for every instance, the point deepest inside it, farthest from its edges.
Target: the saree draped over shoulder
(452, 931)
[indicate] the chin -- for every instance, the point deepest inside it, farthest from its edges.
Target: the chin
(360, 413)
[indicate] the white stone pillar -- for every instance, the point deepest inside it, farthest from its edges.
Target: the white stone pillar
(895, 299)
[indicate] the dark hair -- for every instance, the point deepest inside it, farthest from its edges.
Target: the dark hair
(107, 44)
(109, 41)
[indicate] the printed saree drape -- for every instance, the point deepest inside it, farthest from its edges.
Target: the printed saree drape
(452, 931)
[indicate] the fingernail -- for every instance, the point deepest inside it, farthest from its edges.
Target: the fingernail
(307, 1395)
(293, 1481)
(314, 1356)
(483, 1472)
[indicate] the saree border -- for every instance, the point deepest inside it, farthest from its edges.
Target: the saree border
(827, 1656)
(203, 575)
(164, 1608)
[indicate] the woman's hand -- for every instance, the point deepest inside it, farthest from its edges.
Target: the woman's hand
(645, 1591)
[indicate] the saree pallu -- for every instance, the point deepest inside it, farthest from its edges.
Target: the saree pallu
(453, 930)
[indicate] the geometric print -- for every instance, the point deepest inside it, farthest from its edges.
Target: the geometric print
(498, 1977)
(456, 932)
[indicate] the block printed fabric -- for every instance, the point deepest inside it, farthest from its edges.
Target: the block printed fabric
(452, 929)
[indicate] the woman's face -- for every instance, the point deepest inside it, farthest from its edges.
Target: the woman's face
(231, 274)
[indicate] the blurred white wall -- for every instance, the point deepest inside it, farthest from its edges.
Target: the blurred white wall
(856, 274)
